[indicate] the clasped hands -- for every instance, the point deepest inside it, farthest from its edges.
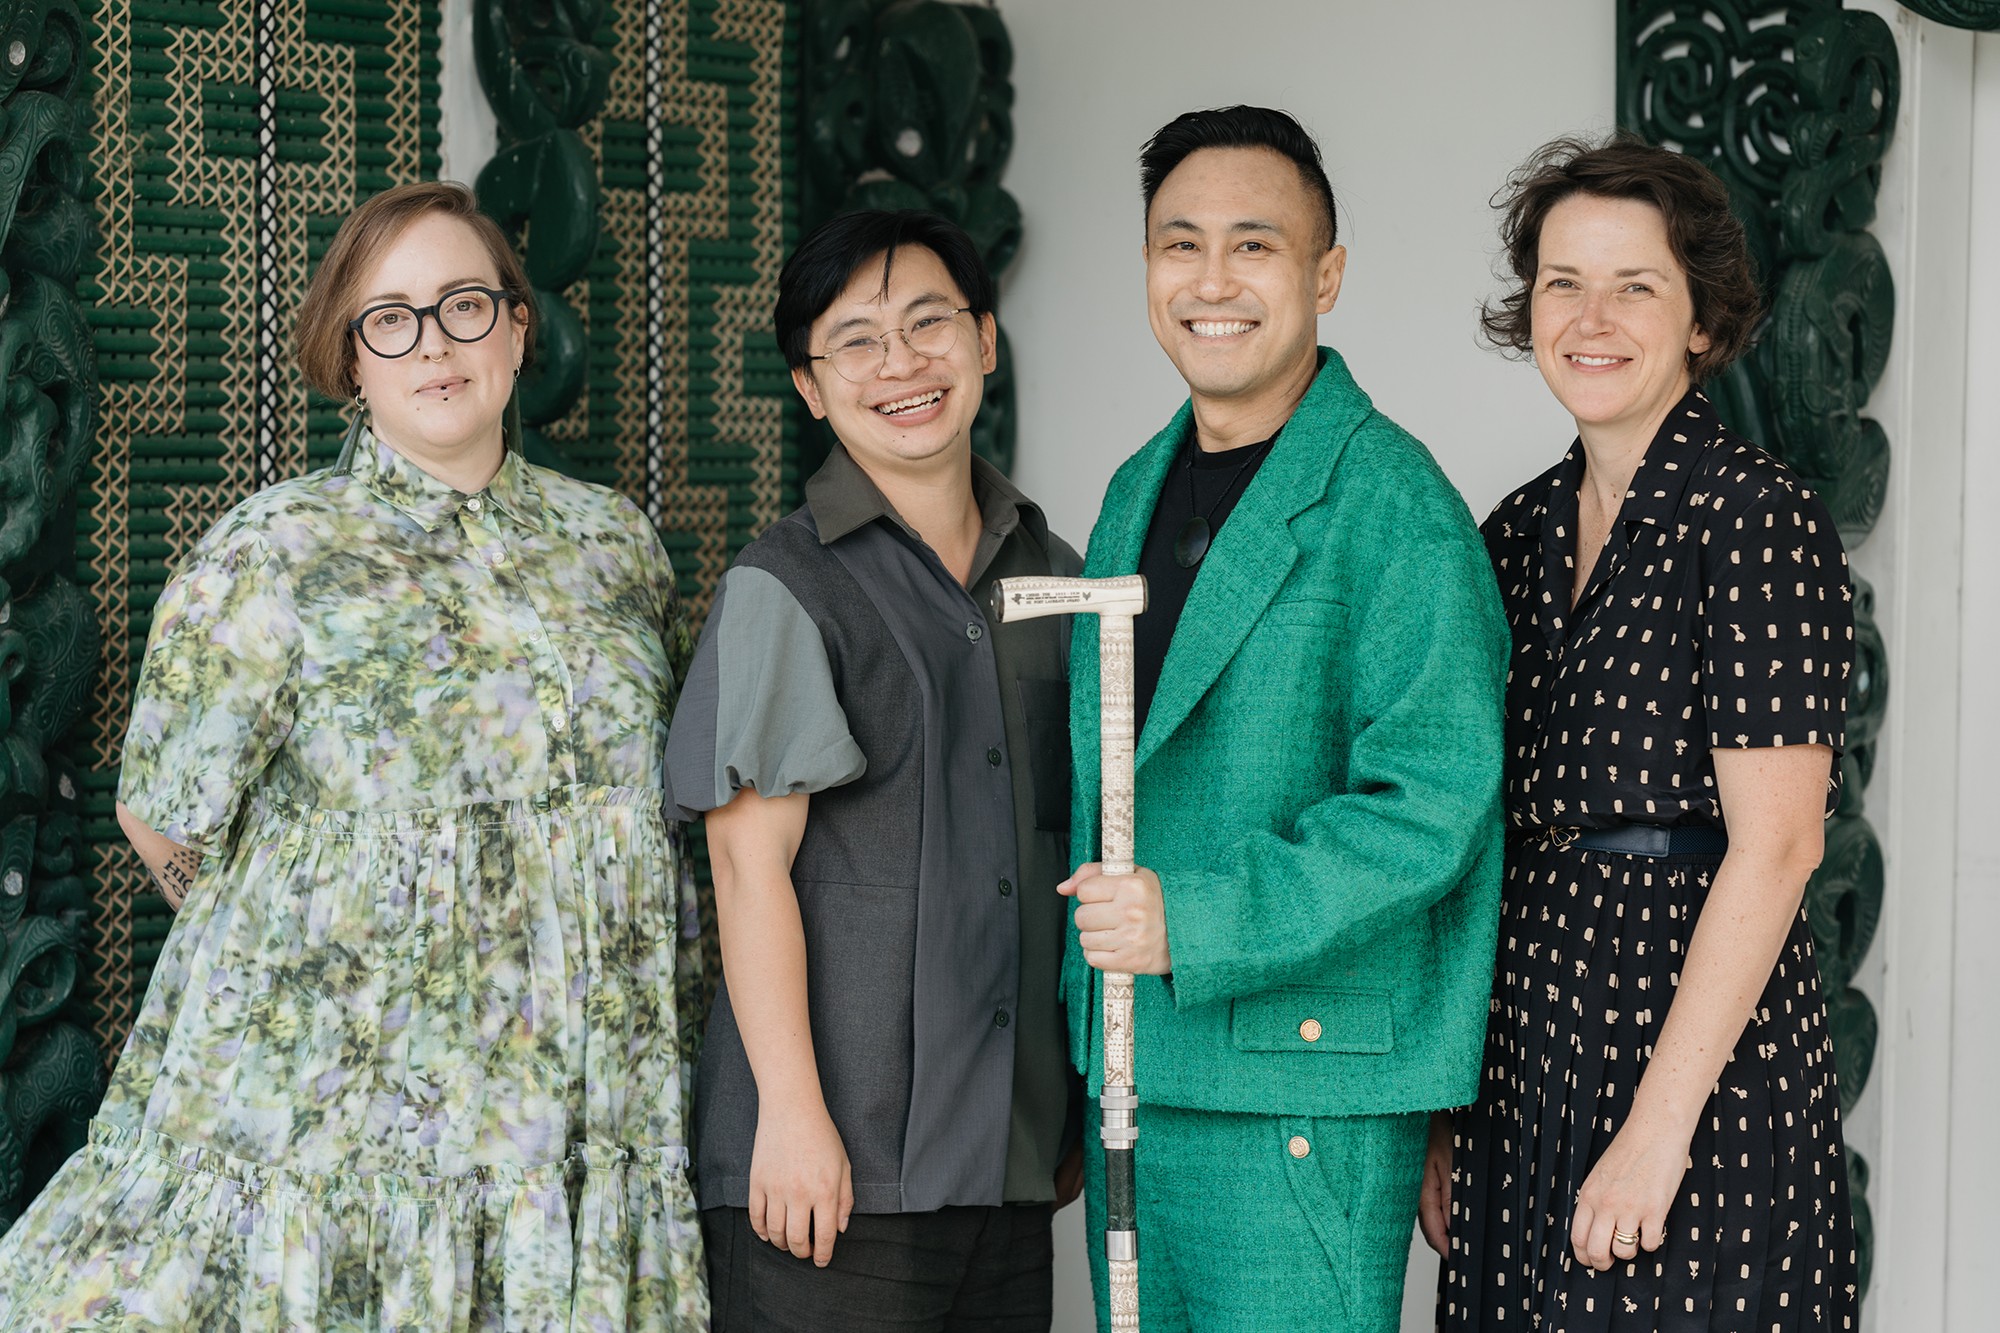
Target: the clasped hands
(1121, 920)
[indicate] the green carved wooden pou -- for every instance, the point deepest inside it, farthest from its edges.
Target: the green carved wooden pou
(545, 80)
(50, 1073)
(1793, 106)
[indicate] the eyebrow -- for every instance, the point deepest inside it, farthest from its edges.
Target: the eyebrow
(1257, 226)
(456, 284)
(1621, 273)
(861, 322)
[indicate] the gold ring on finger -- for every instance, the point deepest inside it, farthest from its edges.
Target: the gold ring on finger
(1624, 1238)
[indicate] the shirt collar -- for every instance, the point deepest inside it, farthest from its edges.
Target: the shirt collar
(1662, 477)
(843, 498)
(1658, 484)
(430, 503)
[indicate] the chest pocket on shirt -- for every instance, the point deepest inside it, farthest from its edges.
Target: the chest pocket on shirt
(1045, 713)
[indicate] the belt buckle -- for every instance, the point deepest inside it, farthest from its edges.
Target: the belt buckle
(1563, 837)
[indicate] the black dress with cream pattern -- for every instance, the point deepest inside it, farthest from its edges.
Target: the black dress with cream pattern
(1718, 615)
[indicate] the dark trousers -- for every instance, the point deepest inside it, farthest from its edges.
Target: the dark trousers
(958, 1270)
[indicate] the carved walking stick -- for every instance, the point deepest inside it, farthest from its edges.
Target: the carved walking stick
(1114, 602)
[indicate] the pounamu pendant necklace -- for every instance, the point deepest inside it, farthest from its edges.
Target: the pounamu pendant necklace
(1197, 533)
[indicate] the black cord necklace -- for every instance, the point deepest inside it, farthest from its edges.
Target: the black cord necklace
(1197, 533)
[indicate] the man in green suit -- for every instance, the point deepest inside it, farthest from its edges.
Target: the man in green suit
(1319, 681)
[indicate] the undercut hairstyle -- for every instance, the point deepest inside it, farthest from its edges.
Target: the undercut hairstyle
(323, 345)
(1702, 230)
(826, 261)
(1239, 127)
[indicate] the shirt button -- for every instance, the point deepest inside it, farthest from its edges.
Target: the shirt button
(556, 722)
(975, 631)
(535, 636)
(474, 504)
(993, 757)
(1310, 1029)
(1006, 888)
(1298, 1147)
(499, 557)
(1000, 1018)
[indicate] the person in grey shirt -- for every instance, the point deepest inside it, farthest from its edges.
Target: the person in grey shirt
(885, 1117)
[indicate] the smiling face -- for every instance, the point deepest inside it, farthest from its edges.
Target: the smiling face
(440, 406)
(915, 416)
(1613, 316)
(1236, 278)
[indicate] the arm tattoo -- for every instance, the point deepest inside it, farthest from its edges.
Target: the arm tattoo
(176, 878)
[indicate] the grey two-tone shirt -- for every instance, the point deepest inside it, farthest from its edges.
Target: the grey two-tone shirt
(842, 659)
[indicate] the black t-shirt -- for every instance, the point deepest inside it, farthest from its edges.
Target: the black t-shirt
(1198, 483)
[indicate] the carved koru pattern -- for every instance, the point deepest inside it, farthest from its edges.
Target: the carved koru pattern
(50, 1073)
(1793, 105)
(908, 105)
(231, 137)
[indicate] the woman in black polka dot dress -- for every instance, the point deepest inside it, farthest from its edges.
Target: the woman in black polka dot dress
(1657, 1141)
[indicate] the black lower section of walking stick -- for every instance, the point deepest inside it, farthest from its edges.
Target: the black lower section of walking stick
(1121, 1204)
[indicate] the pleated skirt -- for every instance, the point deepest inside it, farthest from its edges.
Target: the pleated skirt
(1760, 1238)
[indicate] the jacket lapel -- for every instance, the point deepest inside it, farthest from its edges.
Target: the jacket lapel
(1254, 552)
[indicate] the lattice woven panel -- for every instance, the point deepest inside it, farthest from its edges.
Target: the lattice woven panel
(686, 404)
(230, 139)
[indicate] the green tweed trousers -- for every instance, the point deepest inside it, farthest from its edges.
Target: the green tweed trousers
(1265, 1224)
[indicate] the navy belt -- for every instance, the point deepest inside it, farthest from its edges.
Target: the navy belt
(1640, 839)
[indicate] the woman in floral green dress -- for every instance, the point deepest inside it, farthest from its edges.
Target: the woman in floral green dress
(410, 1059)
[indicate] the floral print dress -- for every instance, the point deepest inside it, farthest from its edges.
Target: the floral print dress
(411, 1057)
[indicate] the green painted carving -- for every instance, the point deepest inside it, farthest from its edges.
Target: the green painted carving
(545, 80)
(1793, 105)
(1978, 15)
(907, 104)
(50, 1072)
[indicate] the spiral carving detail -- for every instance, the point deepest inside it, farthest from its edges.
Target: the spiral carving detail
(50, 1069)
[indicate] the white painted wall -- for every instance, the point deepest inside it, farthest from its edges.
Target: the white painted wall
(1421, 108)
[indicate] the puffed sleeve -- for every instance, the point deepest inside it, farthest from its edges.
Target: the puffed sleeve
(1779, 628)
(760, 708)
(218, 690)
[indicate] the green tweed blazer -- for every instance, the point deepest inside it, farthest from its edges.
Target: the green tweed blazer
(1318, 782)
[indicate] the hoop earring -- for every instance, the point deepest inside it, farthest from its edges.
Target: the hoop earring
(345, 464)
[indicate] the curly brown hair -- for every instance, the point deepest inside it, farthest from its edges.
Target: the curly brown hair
(1704, 233)
(321, 342)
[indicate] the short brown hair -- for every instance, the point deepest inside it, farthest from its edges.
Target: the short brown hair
(321, 340)
(1704, 233)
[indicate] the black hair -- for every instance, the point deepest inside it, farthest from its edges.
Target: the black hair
(1237, 127)
(826, 261)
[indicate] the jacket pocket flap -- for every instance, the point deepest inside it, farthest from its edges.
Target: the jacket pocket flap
(1306, 611)
(1313, 1018)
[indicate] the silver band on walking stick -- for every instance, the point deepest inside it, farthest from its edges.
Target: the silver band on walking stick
(1114, 602)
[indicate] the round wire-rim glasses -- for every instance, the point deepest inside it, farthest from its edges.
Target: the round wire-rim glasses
(464, 315)
(934, 332)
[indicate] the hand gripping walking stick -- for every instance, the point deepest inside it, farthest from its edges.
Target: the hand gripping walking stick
(1114, 602)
